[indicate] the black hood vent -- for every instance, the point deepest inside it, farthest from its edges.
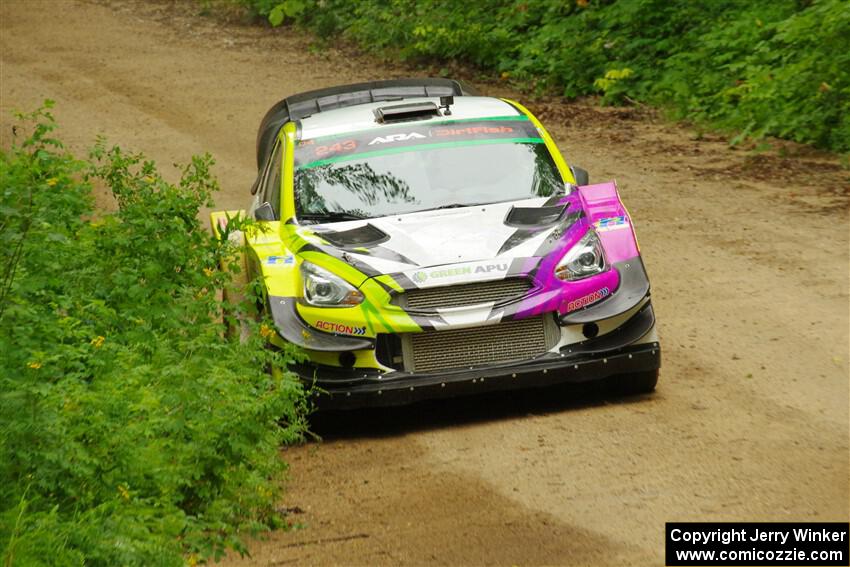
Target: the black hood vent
(364, 236)
(534, 217)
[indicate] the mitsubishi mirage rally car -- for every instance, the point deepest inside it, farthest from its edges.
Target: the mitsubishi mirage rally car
(421, 241)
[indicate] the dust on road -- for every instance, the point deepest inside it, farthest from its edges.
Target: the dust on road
(748, 255)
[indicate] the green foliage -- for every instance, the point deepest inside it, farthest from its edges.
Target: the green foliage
(276, 11)
(287, 9)
(132, 432)
(760, 67)
(614, 84)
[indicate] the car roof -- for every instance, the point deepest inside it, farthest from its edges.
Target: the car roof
(362, 116)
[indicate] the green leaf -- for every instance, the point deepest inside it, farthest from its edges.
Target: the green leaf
(276, 15)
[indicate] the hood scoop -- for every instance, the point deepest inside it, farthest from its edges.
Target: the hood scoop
(365, 236)
(534, 217)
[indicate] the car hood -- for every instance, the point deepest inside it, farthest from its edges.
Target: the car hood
(402, 243)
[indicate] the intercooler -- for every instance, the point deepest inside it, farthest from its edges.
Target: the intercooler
(431, 351)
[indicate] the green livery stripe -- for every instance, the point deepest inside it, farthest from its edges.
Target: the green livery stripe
(390, 282)
(368, 317)
(437, 146)
(516, 117)
(369, 309)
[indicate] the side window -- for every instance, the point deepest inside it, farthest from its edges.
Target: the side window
(271, 186)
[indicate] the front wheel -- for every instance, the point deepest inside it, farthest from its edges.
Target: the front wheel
(634, 383)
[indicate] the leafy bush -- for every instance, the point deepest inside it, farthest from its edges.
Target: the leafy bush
(760, 67)
(131, 431)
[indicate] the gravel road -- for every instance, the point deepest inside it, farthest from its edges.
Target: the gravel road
(748, 255)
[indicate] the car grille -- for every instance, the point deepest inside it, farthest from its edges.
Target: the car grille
(432, 351)
(433, 298)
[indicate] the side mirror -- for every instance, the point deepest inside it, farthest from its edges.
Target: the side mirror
(264, 212)
(581, 175)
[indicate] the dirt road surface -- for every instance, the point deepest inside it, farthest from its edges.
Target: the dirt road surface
(748, 255)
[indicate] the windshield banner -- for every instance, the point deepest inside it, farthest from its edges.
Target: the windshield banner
(380, 141)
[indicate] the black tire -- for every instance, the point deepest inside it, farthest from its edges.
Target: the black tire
(634, 383)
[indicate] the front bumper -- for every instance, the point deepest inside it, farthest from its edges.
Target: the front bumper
(618, 352)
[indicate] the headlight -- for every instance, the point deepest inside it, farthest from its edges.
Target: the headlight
(324, 289)
(585, 259)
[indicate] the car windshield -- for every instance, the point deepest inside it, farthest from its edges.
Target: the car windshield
(414, 168)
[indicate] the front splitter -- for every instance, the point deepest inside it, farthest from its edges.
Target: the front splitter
(401, 388)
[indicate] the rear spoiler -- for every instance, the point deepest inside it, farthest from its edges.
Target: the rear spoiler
(302, 105)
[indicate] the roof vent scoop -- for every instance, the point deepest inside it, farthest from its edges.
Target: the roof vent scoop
(406, 112)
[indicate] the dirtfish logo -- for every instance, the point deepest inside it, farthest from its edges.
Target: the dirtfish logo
(397, 138)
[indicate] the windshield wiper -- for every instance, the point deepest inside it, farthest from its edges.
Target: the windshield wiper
(331, 215)
(450, 206)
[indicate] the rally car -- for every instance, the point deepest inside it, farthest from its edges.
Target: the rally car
(422, 241)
